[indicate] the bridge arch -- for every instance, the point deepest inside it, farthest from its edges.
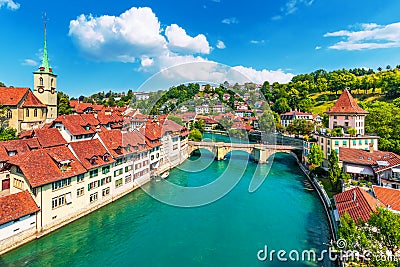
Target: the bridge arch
(260, 153)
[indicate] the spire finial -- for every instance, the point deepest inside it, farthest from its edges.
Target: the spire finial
(45, 60)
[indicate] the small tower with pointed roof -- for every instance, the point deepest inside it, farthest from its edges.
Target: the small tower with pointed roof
(45, 84)
(346, 113)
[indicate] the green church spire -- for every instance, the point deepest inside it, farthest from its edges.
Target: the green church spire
(45, 61)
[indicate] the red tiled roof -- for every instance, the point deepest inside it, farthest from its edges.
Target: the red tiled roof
(388, 196)
(25, 134)
(41, 167)
(20, 146)
(31, 101)
(152, 130)
(75, 124)
(88, 149)
(364, 157)
(346, 104)
(49, 137)
(90, 119)
(73, 103)
(357, 203)
(12, 96)
(170, 126)
(15, 206)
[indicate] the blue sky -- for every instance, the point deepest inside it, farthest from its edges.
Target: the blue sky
(101, 45)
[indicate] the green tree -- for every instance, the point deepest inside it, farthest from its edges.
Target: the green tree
(300, 127)
(199, 125)
(315, 157)
(281, 106)
(351, 131)
(176, 119)
(266, 91)
(388, 224)
(195, 135)
(63, 104)
(334, 170)
(6, 133)
(266, 121)
(225, 124)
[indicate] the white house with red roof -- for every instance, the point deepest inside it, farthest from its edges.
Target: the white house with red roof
(346, 113)
(288, 117)
(17, 216)
(383, 166)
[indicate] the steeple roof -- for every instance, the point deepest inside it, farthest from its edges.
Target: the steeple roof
(346, 104)
(45, 66)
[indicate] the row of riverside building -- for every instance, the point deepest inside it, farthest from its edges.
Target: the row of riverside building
(75, 165)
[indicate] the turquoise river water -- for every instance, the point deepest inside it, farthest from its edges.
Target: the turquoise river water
(137, 230)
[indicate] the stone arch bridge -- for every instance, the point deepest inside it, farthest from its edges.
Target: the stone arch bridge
(260, 153)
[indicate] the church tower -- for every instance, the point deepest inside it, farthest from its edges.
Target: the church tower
(45, 84)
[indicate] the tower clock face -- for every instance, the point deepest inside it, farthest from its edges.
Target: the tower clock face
(40, 90)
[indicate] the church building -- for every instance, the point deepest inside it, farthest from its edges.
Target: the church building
(27, 110)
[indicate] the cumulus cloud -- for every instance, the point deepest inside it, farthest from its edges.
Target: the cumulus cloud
(318, 47)
(30, 62)
(259, 76)
(179, 41)
(136, 36)
(368, 36)
(221, 45)
(10, 4)
(232, 20)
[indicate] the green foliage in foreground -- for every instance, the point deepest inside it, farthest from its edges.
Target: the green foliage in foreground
(381, 234)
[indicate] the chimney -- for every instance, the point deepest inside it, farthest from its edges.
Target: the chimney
(354, 196)
(371, 147)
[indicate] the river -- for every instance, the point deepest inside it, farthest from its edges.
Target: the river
(138, 230)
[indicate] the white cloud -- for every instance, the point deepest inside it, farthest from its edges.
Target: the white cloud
(259, 76)
(146, 61)
(179, 41)
(30, 62)
(369, 36)
(291, 7)
(10, 4)
(221, 45)
(232, 20)
(318, 47)
(136, 36)
(257, 41)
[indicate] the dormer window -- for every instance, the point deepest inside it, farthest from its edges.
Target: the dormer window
(87, 127)
(65, 165)
(12, 153)
(106, 157)
(93, 160)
